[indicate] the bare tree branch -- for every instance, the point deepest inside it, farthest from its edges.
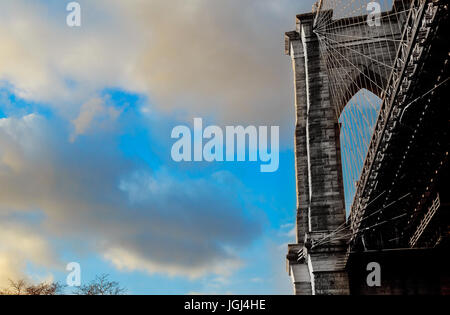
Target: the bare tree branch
(101, 286)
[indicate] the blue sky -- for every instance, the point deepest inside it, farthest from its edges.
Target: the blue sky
(86, 116)
(264, 203)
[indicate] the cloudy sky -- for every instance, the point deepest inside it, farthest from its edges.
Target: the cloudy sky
(85, 122)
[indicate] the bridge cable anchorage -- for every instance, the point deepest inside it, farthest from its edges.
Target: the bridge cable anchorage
(341, 228)
(366, 228)
(360, 57)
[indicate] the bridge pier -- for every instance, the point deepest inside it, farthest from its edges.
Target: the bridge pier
(316, 264)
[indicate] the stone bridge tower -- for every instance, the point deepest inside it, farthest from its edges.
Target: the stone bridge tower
(315, 266)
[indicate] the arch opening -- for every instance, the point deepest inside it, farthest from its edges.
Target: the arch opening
(357, 122)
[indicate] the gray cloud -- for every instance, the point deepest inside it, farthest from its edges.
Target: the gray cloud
(137, 219)
(220, 59)
(209, 58)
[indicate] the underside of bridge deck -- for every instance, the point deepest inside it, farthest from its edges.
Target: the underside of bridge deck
(403, 272)
(406, 227)
(410, 207)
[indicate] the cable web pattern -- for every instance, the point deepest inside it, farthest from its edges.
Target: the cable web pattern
(358, 41)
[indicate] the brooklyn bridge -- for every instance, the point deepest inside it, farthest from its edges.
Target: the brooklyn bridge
(372, 146)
